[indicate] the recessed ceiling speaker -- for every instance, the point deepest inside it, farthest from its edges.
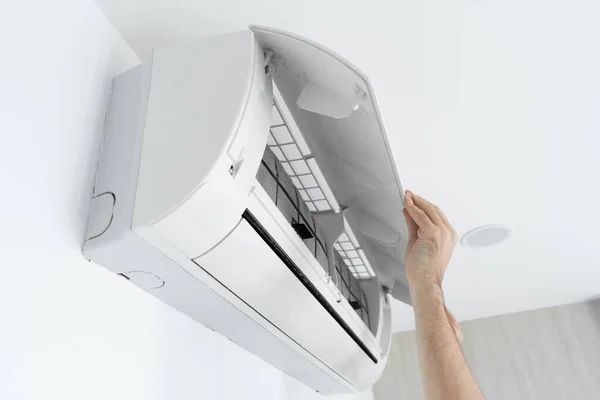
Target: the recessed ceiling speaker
(484, 236)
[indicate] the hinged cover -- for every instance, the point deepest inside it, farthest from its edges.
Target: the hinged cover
(335, 107)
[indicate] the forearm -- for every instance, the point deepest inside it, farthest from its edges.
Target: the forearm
(444, 370)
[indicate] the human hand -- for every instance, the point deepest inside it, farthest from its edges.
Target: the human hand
(431, 241)
(430, 245)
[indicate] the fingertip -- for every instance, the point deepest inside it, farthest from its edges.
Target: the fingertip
(408, 197)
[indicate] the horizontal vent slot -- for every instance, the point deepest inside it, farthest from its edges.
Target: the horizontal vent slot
(281, 254)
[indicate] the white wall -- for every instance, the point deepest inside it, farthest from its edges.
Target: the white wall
(549, 354)
(70, 329)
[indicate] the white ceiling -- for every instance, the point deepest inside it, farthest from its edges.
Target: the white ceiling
(493, 109)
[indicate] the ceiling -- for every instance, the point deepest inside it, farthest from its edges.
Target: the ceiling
(493, 111)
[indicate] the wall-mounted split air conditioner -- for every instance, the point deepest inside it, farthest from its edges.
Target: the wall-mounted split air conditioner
(246, 180)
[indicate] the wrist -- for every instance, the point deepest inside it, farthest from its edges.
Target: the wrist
(425, 281)
(429, 287)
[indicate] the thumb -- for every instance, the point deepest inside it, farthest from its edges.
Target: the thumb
(412, 226)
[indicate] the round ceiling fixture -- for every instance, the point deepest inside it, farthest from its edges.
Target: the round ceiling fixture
(484, 236)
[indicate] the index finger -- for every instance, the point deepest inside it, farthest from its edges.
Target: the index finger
(417, 214)
(429, 209)
(440, 212)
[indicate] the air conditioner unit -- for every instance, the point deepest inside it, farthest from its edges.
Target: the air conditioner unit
(246, 180)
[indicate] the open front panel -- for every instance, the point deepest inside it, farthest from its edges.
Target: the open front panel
(335, 107)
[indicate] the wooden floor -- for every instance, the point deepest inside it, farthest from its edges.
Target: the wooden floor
(547, 354)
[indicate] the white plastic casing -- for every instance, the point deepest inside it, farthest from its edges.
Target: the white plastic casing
(185, 138)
